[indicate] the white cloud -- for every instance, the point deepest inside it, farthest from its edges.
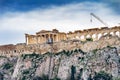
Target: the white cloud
(113, 1)
(65, 18)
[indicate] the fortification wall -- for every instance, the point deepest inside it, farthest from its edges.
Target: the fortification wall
(16, 50)
(110, 37)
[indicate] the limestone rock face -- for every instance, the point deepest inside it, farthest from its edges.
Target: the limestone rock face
(7, 66)
(66, 65)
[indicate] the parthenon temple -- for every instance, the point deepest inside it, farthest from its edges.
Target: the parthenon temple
(94, 33)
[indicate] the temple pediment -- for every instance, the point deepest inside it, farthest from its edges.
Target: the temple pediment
(43, 31)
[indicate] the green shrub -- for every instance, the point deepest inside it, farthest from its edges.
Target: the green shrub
(82, 59)
(107, 59)
(3, 57)
(26, 72)
(116, 78)
(109, 46)
(55, 78)
(76, 50)
(89, 39)
(73, 71)
(24, 56)
(80, 74)
(95, 50)
(37, 78)
(64, 51)
(119, 60)
(102, 76)
(45, 77)
(90, 77)
(71, 51)
(68, 53)
(7, 66)
(79, 50)
(12, 70)
(23, 78)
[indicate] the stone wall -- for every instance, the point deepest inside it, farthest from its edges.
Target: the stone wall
(105, 40)
(16, 50)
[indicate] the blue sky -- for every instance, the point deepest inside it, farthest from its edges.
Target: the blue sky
(26, 5)
(31, 4)
(29, 16)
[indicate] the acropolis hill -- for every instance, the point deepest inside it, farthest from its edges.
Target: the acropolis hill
(85, 40)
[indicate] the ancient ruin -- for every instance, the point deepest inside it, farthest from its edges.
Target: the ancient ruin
(64, 41)
(43, 36)
(94, 33)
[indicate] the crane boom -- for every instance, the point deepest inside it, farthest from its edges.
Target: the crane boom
(106, 25)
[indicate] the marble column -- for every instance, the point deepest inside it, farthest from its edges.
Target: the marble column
(37, 39)
(40, 39)
(26, 39)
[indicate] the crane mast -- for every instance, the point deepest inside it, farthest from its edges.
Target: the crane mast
(92, 14)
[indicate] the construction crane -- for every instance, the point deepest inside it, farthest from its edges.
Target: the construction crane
(92, 14)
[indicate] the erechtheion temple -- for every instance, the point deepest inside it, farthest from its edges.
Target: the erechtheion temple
(43, 36)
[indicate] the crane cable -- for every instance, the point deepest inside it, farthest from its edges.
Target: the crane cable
(91, 19)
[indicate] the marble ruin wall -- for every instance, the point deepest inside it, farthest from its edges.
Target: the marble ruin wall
(73, 40)
(94, 33)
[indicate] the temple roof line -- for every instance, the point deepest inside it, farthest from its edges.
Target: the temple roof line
(76, 31)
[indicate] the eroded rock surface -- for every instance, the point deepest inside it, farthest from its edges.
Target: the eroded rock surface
(64, 65)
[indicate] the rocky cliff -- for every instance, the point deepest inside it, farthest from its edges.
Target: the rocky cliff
(75, 60)
(65, 65)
